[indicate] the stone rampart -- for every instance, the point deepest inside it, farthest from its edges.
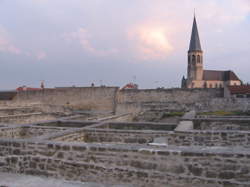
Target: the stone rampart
(131, 101)
(178, 100)
(79, 98)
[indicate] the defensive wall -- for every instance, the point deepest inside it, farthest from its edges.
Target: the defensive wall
(78, 98)
(131, 101)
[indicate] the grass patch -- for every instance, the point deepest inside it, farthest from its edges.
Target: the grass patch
(225, 113)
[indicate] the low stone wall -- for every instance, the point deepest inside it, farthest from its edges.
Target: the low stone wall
(27, 132)
(189, 138)
(139, 166)
(210, 138)
(26, 118)
(110, 136)
(222, 125)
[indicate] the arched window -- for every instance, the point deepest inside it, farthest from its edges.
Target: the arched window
(205, 85)
(210, 86)
(198, 59)
(193, 59)
(216, 85)
(192, 85)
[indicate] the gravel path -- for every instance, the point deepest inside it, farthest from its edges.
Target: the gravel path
(17, 180)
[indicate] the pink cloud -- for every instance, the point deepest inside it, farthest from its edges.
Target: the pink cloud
(6, 45)
(41, 55)
(85, 38)
(150, 41)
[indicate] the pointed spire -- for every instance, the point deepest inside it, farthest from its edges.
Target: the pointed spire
(195, 44)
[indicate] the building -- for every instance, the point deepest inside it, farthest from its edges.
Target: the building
(242, 91)
(130, 86)
(197, 77)
(25, 88)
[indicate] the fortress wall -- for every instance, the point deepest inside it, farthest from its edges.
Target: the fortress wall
(79, 98)
(131, 101)
(178, 100)
(167, 95)
(142, 166)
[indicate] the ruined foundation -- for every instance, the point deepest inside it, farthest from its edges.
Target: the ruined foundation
(104, 145)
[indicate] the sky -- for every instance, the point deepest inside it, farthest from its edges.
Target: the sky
(114, 42)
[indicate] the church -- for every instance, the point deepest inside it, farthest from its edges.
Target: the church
(197, 77)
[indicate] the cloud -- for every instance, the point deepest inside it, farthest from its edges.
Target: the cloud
(151, 42)
(84, 38)
(41, 55)
(5, 43)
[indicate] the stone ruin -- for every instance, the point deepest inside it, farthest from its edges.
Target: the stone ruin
(184, 148)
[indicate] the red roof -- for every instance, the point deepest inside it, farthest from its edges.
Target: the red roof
(130, 86)
(243, 89)
(219, 75)
(24, 88)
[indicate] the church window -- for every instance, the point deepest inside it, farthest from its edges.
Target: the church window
(193, 59)
(198, 59)
(205, 85)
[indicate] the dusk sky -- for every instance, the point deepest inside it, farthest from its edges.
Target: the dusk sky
(113, 42)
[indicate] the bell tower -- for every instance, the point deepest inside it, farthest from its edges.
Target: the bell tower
(195, 57)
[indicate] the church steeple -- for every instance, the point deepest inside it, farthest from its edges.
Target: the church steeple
(195, 58)
(195, 44)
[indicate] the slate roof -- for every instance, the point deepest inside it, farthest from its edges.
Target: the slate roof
(195, 44)
(219, 75)
(243, 89)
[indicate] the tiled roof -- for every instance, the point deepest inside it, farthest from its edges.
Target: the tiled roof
(219, 75)
(243, 89)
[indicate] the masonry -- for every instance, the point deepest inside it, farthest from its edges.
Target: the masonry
(138, 165)
(109, 98)
(212, 151)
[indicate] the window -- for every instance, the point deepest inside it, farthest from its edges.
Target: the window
(189, 60)
(216, 85)
(240, 96)
(205, 85)
(210, 86)
(220, 85)
(198, 59)
(193, 59)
